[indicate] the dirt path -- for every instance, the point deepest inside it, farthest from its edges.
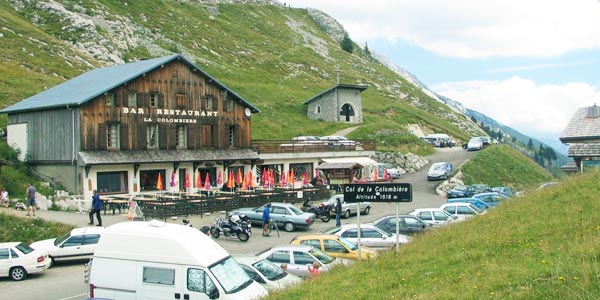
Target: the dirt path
(345, 131)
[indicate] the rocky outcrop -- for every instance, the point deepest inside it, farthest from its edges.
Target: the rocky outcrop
(406, 163)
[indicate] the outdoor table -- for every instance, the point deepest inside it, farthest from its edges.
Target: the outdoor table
(117, 204)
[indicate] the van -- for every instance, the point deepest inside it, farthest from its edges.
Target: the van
(157, 260)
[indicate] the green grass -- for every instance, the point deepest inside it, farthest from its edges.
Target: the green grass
(29, 230)
(541, 246)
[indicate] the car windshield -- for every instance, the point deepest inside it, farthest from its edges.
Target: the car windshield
(437, 167)
(230, 274)
(24, 248)
(61, 239)
(348, 243)
(460, 188)
(332, 230)
(295, 210)
(322, 256)
(269, 269)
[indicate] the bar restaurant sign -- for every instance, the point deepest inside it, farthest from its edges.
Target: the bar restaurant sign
(169, 115)
(378, 192)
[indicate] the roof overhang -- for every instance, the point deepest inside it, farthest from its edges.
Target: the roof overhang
(163, 156)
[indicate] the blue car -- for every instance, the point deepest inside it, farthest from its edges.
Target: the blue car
(491, 198)
(473, 201)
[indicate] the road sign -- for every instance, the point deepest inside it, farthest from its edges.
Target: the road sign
(378, 192)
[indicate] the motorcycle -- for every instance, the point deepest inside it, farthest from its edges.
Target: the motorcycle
(237, 226)
(322, 211)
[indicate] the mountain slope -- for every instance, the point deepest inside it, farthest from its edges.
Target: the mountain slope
(276, 57)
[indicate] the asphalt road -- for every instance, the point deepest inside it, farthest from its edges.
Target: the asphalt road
(65, 281)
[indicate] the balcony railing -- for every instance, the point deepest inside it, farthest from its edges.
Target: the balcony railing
(287, 146)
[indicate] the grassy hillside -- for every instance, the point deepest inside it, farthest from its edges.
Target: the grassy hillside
(501, 165)
(541, 246)
(275, 57)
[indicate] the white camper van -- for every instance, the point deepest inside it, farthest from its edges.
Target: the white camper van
(156, 260)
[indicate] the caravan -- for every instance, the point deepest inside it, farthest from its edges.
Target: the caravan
(156, 260)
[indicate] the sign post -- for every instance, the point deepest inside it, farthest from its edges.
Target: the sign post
(378, 192)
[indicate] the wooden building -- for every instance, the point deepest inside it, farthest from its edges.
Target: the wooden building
(341, 103)
(582, 135)
(119, 129)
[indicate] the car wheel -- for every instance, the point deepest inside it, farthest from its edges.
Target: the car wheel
(52, 262)
(289, 226)
(347, 214)
(367, 211)
(18, 273)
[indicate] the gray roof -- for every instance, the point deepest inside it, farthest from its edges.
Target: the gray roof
(583, 149)
(159, 156)
(331, 166)
(584, 125)
(341, 86)
(91, 84)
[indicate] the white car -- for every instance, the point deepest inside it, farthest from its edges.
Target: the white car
(370, 236)
(336, 140)
(268, 274)
(474, 144)
(437, 217)
(439, 171)
(462, 209)
(78, 244)
(18, 260)
(299, 257)
(348, 209)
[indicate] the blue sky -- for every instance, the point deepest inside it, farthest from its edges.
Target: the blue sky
(528, 64)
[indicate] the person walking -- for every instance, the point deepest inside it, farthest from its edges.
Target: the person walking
(338, 212)
(4, 197)
(314, 269)
(266, 218)
(30, 194)
(96, 208)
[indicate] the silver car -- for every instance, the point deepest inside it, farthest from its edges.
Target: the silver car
(285, 215)
(268, 274)
(299, 257)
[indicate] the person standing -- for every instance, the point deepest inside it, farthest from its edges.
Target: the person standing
(96, 208)
(314, 269)
(30, 194)
(4, 197)
(338, 212)
(266, 218)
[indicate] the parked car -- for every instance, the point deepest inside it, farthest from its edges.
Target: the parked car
(439, 171)
(504, 190)
(298, 257)
(474, 144)
(348, 209)
(285, 215)
(473, 201)
(461, 191)
(485, 140)
(462, 210)
(431, 140)
(334, 245)
(308, 139)
(480, 188)
(435, 216)
(337, 140)
(78, 244)
(268, 274)
(491, 198)
(370, 236)
(18, 260)
(409, 224)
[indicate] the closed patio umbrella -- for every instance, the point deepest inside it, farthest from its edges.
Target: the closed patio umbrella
(207, 181)
(159, 184)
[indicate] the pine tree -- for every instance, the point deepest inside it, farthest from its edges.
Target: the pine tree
(347, 44)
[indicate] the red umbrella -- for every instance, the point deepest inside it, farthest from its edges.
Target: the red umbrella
(263, 177)
(250, 180)
(199, 180)
(292, 177)
(187, 180)
(283, 179)
(305, 178)
(375, 175)
(207, 182)
(159, 184)
(220, 178)
(230, 181)
(244, 186)
(272, 178)
(385, 174)
(239, 176)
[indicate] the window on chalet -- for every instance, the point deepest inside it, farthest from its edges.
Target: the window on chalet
(152, 136)
(112, 136)
(153, 100)
(318, 109)
(231, 136)
(109, 99)
(112, 182)
(182, 100)
(181, 136)
(132, 99)
(229, 105)
(208, 103)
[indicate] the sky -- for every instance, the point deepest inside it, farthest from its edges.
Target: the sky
(528, 64)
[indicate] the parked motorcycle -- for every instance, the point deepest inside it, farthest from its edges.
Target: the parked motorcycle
(322, 211)
(234, 225)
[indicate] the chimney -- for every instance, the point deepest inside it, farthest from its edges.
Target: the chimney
(593, 111)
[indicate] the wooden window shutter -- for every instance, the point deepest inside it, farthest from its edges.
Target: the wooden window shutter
(172, 137)
(143, 99)
(162, 137)
(161, 100)
(101, 137)
(124, 135)
(142, 136)
(191, 136)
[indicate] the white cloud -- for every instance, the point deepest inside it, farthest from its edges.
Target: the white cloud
(542, 110)
(472, 29)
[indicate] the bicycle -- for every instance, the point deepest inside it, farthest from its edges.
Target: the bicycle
(273, 224)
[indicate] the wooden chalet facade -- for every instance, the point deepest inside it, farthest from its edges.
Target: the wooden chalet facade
(582, 135)
(119, 129)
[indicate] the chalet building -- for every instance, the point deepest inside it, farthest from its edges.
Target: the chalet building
(582, 135)
(125, 128)
(341, 103)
